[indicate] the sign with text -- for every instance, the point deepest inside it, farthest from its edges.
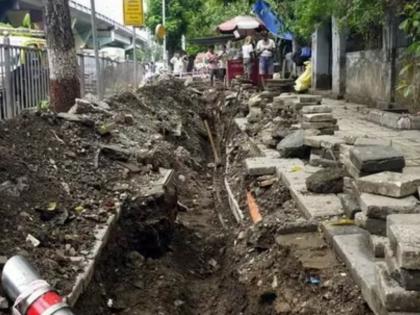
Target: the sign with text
(133, 13)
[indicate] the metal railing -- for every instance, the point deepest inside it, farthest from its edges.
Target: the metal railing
(24, 77)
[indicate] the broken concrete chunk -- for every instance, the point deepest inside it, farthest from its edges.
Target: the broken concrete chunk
(389, 184)
(350, 205)
(310, 99)
(317, 117)
(373, 226)
(316, 109)
(326, 181)
(293, 146)
(116, 152)
(255, 101)
(376, 206)
(392, 295)
(375, 159)
(405, 243)
(255, 115)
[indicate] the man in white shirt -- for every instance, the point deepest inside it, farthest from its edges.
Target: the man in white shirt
(265, 51)
(247, 56)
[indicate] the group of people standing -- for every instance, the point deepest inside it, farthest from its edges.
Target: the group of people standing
(263, 51)
(179, 63)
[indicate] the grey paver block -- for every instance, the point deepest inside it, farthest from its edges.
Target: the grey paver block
(316, 109)
(320, 117)
(330, 229)
(317, 206)
(354, 250)
(389, 184)
(376, 206)
(241, 123)
(363, 141)
(408, 279)
(373, 159)
(326, 141)
(374, 226)
(318, 125)
(392, 295)
(310, 99)
(405, 243)
(261, 166)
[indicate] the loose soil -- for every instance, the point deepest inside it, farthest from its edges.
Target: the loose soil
(159, 260)
(214, 266)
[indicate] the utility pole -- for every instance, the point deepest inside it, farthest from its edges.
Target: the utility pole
(164, 38)
(96, 48)
(134, 57)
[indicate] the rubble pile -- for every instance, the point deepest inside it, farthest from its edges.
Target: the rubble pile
(63, 176)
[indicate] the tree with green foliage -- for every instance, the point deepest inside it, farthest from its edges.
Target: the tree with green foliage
(410, 74)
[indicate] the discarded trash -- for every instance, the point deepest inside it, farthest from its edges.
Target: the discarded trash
(52, 206)
(254, 210)
(314, 280)
(296, 169)
(343, 222)
(33, 240)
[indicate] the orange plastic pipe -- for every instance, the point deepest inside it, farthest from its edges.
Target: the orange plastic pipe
(254, 210)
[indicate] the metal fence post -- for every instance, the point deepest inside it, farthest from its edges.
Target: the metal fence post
(8, 77)
(82, 75)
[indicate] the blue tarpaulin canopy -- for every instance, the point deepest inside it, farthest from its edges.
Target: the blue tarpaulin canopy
(271, 21)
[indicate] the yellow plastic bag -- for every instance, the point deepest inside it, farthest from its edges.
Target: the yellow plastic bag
(303, 83)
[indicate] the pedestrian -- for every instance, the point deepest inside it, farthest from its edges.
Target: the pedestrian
(265, 51)
(248, 55)
(223, 60)
(212, 62)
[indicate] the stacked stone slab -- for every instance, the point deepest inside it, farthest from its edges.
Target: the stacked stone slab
(317, 117)
(384, 194)
(371, 159)
(279, 86)
(325, 150)
(398, 278)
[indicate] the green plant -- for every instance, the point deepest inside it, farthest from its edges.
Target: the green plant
(409, 84)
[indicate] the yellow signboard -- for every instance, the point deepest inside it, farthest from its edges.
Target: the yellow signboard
(133, 13)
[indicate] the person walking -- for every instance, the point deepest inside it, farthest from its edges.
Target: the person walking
(212, 61)
(248, 56)
(265, 50)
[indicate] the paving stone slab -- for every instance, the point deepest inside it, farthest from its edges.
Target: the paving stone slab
(364, 141)
(403, 219)
(375, 159)
(393, 296)
(261, 166)
(332, 228)
(389, 184)
(316, 109)
(319, 125)
(379, 207)
(405, 243)
(310, 99)
(354, 250)
(408, 279)
(374, 226)
(317, 160)
(315, 206)
(320, 117)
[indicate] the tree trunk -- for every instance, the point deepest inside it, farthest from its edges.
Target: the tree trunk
(64, 70)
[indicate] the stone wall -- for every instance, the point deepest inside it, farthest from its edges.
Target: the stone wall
(366, 77)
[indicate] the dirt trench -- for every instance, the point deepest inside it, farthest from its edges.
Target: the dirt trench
(205, 263)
